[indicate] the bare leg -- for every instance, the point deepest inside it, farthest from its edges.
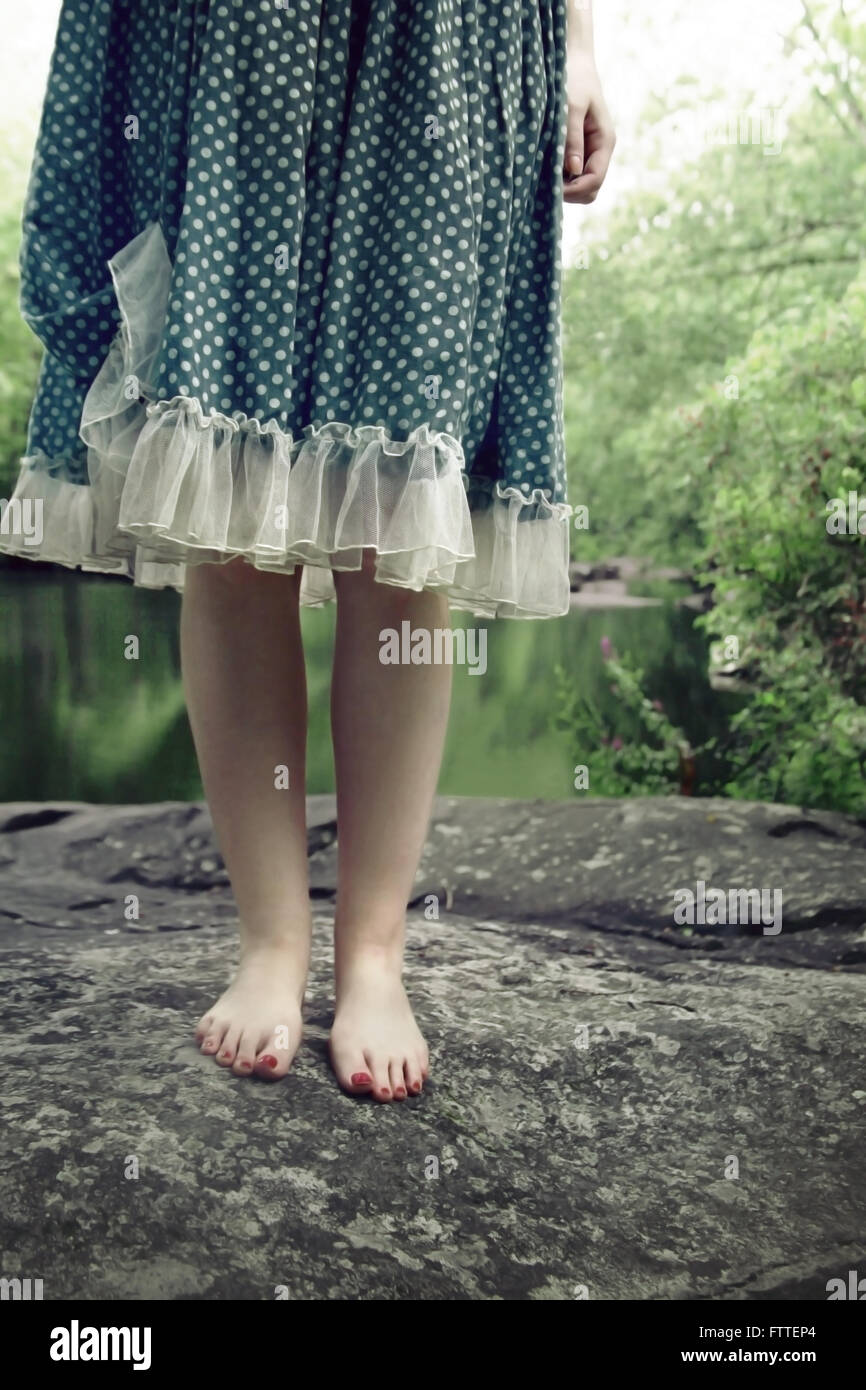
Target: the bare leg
(245, 684)
(389, 725)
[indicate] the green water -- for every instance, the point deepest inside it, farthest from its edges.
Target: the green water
(81, 722)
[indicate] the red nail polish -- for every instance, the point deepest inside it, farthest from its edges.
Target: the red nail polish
(400, 1092)
(269, 1061)
(227, 1054)
(360, 1078)
(385, 1092)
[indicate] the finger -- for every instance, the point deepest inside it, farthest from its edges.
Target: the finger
(600, 147)
(572, 162)
(585, 189)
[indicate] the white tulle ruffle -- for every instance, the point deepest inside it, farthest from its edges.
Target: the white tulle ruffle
(171, 486)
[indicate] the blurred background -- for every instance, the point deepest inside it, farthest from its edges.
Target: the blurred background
(715, 341)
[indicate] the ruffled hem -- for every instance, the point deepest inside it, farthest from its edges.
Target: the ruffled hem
(171, 485)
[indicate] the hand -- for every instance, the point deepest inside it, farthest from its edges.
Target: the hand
(589, 137)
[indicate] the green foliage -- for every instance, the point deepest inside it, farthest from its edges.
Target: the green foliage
(646, 754)
(723, 406)
(681, 280)
(792, 592)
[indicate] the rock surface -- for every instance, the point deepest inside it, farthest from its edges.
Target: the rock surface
(620, 1107)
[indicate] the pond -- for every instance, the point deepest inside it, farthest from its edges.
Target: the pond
(81, 722)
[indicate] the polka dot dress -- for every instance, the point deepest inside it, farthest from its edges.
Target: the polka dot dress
(295, 265)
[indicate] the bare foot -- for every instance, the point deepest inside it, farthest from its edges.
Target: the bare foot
(376, 1045)
(255, 1027)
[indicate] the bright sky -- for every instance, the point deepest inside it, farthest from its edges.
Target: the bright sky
(734, 47)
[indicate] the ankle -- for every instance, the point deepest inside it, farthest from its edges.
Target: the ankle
(291, 946)
(374, 954)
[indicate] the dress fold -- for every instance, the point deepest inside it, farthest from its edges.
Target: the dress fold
(317, 311)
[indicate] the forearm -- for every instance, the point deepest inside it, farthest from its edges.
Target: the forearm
(580, 38)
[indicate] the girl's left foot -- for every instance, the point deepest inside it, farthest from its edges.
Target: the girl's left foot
(376, 1046)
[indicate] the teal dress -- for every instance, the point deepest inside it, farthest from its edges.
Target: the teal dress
(296, 269)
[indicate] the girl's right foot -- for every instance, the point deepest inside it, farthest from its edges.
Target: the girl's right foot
(255, 1026)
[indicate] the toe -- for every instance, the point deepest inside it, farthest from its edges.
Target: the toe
(377, 1067)
(398, 1081)
(351, 1069)
(246, 1053)
(214, 1038)
(229, 1046)
(203, 1028)
(412, 1075)
(273, 1059)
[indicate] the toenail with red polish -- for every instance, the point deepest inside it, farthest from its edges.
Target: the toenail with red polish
(269, 1061)
(226, 1054)
(384, 1092)
(360, 1078)
(400, 1092)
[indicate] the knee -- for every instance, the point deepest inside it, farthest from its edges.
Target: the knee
(360, 580)
(239, 573)
(240, 576)
(369, 561)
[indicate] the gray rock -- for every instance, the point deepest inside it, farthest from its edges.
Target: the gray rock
(616, 1106)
